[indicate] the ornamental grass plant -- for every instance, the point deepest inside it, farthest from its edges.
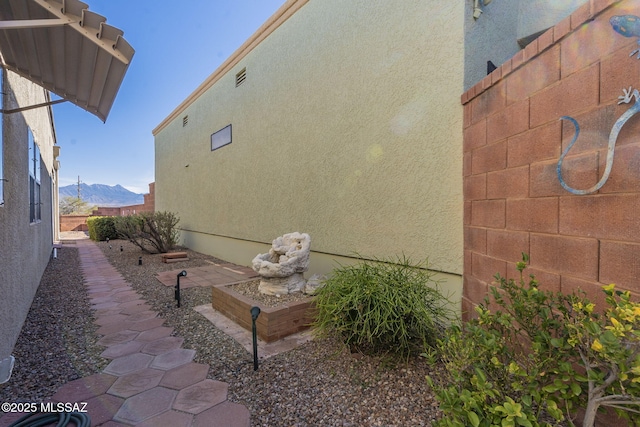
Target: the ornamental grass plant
(390, 306)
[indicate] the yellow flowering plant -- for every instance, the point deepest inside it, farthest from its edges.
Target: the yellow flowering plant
(539, 356)
(608, 346)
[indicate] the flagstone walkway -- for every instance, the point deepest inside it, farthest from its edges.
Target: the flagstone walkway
(209, 275)
(151, 380)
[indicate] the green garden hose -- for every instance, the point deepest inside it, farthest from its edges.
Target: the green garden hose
(37, 419)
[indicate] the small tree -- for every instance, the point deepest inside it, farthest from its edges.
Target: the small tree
(150, 231)
(539, 357)
(609, 351)
(73, 205)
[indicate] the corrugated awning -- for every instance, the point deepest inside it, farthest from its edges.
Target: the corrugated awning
(68, 50)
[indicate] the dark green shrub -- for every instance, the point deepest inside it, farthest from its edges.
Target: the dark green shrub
(101, 228)
(150, 231)
(390, 306)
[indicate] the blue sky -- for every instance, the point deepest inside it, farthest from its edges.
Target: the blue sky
(178, 45)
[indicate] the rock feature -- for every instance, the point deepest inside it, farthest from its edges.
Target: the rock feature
(314, 283)
(281, 269)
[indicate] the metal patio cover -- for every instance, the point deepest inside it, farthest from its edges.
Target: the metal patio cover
(65, 48)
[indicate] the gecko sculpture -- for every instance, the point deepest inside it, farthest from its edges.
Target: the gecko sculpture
(613, 136)
(628, 26)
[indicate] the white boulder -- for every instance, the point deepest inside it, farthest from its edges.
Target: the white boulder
(281, 269)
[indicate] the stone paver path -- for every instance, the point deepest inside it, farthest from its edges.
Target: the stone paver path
(151, 380)
(215, 274)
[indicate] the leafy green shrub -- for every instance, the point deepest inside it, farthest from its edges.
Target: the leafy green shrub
(382, 306)
(150, 231)
(101, 228)
(538, 357)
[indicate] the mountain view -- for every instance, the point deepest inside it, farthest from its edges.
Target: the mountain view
(102, 195)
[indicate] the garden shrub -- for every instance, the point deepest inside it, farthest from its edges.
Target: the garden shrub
(539, 357)
(150, 231)
(101, 228)
(390, 306)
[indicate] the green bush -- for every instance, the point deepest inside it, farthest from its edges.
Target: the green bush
(539, 357)
(101, 228)
(150, 231)
(390, 306)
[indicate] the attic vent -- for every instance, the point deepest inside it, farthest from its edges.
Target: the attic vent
(241, 76)
(185, 120)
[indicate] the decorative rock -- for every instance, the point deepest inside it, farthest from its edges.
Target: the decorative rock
(281, 269)
(314, 283)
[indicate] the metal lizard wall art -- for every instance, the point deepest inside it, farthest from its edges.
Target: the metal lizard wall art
(628, 26)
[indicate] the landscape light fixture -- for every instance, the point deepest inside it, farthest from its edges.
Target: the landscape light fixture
(183, 273)
(139, 260)
(255, 312)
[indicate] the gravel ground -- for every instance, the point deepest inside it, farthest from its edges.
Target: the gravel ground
(58, 340)
(317, 384)
(251, 290)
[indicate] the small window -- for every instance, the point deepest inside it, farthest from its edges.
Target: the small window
(221, 138)
(185, 120)
(241, 76)
(34, 180)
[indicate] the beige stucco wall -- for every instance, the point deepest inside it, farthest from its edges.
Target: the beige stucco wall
(348, 127)
(24, 247)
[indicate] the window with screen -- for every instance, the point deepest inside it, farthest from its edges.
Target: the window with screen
(34, 180)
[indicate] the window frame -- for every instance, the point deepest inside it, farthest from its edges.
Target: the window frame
(221, 138)
(35, 179)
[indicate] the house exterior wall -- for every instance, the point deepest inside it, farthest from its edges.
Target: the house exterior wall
(25, 247)
(494, 35)
(513, 140)
(347, 127)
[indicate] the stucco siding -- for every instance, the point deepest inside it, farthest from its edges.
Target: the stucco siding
(494, 35)
(24, 247)
(347, 127)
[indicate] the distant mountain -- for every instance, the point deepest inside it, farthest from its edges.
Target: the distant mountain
(102, 195)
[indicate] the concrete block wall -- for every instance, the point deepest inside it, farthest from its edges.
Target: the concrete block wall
(73, 223)
(150, 199)
(106, 211)
(79, 222)
(147, 206)
(513, 139)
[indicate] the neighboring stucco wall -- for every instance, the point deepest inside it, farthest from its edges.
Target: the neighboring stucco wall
(24, 248)
(347, 127)
(494, 35)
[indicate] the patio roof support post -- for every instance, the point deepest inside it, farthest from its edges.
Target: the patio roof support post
(31, 107)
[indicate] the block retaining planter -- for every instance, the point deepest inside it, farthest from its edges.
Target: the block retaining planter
(274, 323)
